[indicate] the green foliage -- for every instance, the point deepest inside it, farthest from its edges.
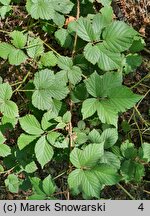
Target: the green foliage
(12, 183)
(107, 101)
(64, 113)
(5, 8)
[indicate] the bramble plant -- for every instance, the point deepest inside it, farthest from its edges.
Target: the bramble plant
(72, 101)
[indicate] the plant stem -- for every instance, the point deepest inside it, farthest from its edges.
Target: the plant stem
(131, 197)
(51, 48)
(143, 120)
(76, 36)
(70, 130)
(148, 192)
(147, 50)
(59, 175)
(136, 84)
(6, 32)
(17, 89)
(140, 134)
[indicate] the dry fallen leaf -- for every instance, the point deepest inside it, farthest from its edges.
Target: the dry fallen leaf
(69, 20)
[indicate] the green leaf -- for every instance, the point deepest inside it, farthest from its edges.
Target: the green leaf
(81, 138)
(42, 100)
(40, 9)
(128, 170)
(132, 61)
(110, 159)
(90, 185)
(94, 136)
(2, 138)
(76, 157)
(1, 169)
(12, 183)
(57, 139)
(5, 49)
(109, 137)
(105, 2)
(47, 9)
(48, 185)
(63, 37)
(16, 57)
(43, 151)
(118, 36)
(81, 125)
(73, 72)
(74, 75)
(139, 172)
(138, 44)
(91, 53)
(88, 157)
(106, 113)
(128, 150)
(67, 117)
(99, 86)
(64, 6)
(56, 106)
(37, 197)
(102, 20)
(35, 47)
(8, 108)
(4, 10)
(146, 151)
(106, 174)
(31, 167)
(108, 60)
(6, 120)
(93, 85)
(18, 39)
(37, 185)
(85, 182)
(5, 2)
(65, 62)
(59, 19)
(122, 98)
(89, 107)
(6, 92)
(84, 29)
(4, 150)
(75, 181)
(30, 125)
(110, 80)
(46, 89)
(48, 59)
(79, 92)
(25, 139)
(48, 120)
